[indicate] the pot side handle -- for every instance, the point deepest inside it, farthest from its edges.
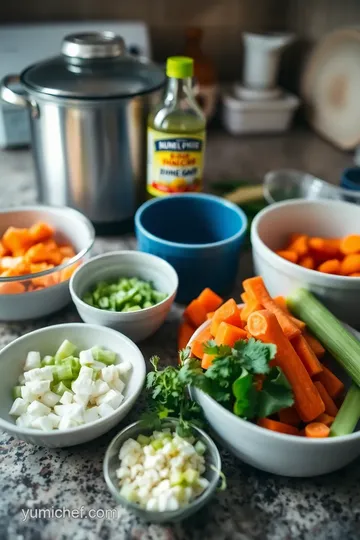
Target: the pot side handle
(14, 98)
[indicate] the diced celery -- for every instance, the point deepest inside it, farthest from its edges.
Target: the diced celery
(131, 309)
(16, 392)
(88, 299)
(63, 371)
(104, 356)
(348, 415)
(191, 476)
(158, 296)
(200, 448)
(143, 440)
(104, 302)
(147, 304)
(157, 444)
(61, 387)
(66, 349)
(176, 478)
(47, 361)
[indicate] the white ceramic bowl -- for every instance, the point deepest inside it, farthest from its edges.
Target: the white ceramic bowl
(46, 341)
(270, 231)
(277, 453)
(70, 226)
(137, 325)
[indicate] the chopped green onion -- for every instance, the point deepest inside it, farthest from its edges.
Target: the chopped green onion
(143, 440)
(348, 415)
(157, 444)
(342, 345)
(200, 448)
(66, 349)
(124, 294)
(47, 361)
(61, 387)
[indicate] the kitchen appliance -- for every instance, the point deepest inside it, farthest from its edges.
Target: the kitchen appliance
(22, 45)
(88, 109)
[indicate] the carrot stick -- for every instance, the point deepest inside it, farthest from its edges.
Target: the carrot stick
(209, 299)
(256, 287)
(289, 416)
(228, 312)
(207, 360)
(279, 427)
(330, 407)
(251, 306)
(325, 419)
(197, 344)
(263, 325)
(290, 256)
(307, 355)
(307, 262)
(300, 324)
(331, 266)
(281, 302)
(350, 244)
(195, 313)
(245, 297)
(314, 344)
(317, 430)
(351, 264)
(184, 334)
(331, 383)
(227, 334)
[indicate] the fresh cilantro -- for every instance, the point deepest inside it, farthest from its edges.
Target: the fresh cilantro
(256, 355)
(275, 394)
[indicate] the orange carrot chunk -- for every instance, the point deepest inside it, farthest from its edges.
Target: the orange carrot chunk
(13, 287)
(207, 360)
(307, 262)
(17, 240)
(300, 245)
(41, 231)
(325, 419)
(264, 325)
(184, 334)
(289, 416)
(330, 407)
(281, 302)
(256, 287)
(251, 306)
(331, 383)
(279, 427)
(290, 256)
(314, 344)
(351, 264)
(307, 355)
(210, 300)
(355, 274)
(3, 250)
(300, 324)
(324, 248)
(227, 334)
(210, 315)
(198, 343)
(228, 312)
(317, 430)
(350, 244)
(332, 266)
(195, 313)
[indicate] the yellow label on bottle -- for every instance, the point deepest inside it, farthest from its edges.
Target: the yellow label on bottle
(175, 162)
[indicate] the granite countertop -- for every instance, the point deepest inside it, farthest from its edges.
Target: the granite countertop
(256, 505)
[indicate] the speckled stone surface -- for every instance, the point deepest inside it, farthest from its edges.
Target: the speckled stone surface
(256, 505)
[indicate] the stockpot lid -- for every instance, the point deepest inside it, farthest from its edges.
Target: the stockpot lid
(93, 66)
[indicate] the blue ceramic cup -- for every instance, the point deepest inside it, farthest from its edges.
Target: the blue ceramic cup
(350, 179)
(199, 235)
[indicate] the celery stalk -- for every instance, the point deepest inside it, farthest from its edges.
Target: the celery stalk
(342, 345)
(348, 415)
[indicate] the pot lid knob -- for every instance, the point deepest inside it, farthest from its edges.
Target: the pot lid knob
(89, 45)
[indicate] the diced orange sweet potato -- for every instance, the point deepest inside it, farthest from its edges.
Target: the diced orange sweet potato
(210, 315)
(13, 287)
(207, 360)
(198, 343)
(67, 251)
(41, 231)
(17, 240)
(195, 313)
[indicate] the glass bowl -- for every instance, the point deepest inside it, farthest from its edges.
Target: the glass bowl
(111, 463)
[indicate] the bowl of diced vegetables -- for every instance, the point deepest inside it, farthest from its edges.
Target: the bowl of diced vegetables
(68, 384)
(278, 379)
(160, 475)
(40, 248)
(125, 290)
(311, 244)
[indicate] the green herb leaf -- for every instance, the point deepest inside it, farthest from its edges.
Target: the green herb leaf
(276, 394)
(242, 384)
(210, 347)
(256, 355)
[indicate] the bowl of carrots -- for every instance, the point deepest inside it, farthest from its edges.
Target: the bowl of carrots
(40, 248)
(301, 419)
(312, 244)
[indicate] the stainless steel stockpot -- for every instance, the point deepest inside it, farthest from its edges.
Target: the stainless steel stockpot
(88, 109)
